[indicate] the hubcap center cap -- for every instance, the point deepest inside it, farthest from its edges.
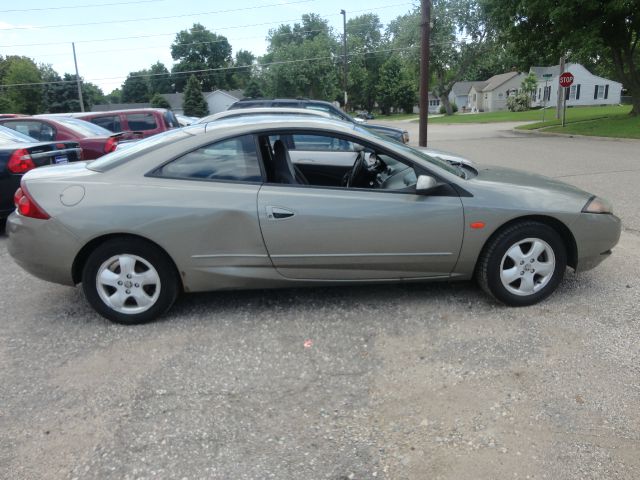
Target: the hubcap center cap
(527, 267)
(128, 283)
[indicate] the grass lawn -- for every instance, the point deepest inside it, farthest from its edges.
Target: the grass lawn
(396, 116)
(611, 121)
(573, 114)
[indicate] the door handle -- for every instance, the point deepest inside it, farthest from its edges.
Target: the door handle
(278, 213)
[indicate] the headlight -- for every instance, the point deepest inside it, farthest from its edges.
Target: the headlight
(598, 205)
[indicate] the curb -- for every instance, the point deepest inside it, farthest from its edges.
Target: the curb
(541, 132)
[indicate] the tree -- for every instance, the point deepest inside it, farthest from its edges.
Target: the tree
(242, 76)
(158, 101)
(580, 29)
(114, 97)
(159, 79)
(459, 36)
(396, 89)
(24, 98)
(303, 60)
(200, 49)
(529, 85)
(194, 104)
(135, 88)
(253, 89)
(364, 38)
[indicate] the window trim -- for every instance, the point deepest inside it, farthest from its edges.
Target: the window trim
(153, 173)
(15, 121)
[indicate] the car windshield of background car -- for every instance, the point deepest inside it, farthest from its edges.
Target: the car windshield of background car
(118, 157)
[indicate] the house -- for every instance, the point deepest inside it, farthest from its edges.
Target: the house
(217, 101)
(434, 105)
(587, 89)
(459, 94)
(491, 95)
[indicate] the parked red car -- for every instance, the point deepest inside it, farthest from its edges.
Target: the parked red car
(145, 121)
(94, 140)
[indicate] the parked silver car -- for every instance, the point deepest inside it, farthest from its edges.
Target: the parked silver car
(223, 206)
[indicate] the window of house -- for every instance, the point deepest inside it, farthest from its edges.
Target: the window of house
(474, 97)
(235, 159)
(599, 91)
(572, 92)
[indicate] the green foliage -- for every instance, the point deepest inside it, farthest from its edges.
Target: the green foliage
(194, 104)
(253, 89)
(159, 79)
(135, 88)
(24, 98)
(242, 76)
(592, 32)
(443, 109)
(518, 103)
(114, 97)
(158, 101)
(200, 49)
(395, 88)
(364, 39)
(5, 105)
(288, 76)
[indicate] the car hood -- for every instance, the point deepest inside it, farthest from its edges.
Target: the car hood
(507, 188)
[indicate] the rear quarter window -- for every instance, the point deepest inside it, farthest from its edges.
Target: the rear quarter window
(141, 121)
(111, 122)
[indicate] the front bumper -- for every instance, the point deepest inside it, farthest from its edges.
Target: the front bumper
(595, 235)
(44, 248)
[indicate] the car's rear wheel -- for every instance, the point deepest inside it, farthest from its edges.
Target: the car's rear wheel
(523, 264)
(129, 281)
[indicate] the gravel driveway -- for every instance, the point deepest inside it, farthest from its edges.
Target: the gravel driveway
(428, 381)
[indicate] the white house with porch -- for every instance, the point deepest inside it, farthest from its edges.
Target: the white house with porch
(587, 89)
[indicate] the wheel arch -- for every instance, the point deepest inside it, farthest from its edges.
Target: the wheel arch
(82, 256)
(567, 237)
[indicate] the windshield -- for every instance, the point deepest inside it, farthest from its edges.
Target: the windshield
(8, 135)
(412, 152)
(134, 149)
(83, 128)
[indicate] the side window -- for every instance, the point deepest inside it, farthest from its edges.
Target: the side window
(38, 130)
(170, 119)
(141, 121)
(286, 104)
(321, 143)
(111, 122)
(233, 159)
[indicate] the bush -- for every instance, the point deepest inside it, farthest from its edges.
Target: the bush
(158, 101)
(518, 103)
(454, 109)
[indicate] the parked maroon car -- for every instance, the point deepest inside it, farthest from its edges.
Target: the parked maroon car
(145, 121)
(94, 140)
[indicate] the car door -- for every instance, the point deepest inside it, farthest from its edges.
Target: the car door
(213, 192)
(332, 233)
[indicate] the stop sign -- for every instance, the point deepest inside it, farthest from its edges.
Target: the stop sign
(566, 79)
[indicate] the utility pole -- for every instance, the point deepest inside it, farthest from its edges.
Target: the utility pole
(425, 28)
(560, 90)
(344, 49)
(75, 62)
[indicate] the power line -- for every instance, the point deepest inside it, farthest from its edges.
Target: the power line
(132, 37)
(145, 19)
(78, 6)
(230, 40)
(218, 69)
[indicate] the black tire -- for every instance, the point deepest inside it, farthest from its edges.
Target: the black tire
(168, 285)
(490, 264)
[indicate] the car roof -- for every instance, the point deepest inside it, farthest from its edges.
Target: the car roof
(112, 112)
(278, 121)
(244, 112)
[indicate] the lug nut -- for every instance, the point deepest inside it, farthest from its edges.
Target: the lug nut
(521, 262)
(119, 282)
(128, 291)
(128, 275)
(532, 260)
(137, 285)
(522, 272)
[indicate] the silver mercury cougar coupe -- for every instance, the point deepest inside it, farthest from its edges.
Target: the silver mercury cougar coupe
(293, 200)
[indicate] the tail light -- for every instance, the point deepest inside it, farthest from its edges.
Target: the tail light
(27, 206)
(111, 145)
(20, 161)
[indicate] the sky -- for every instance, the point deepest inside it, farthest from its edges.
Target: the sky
(44, 30)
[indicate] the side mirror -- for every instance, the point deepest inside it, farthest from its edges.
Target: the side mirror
(425, 184)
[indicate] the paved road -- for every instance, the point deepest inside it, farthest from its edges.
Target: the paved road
(397, 382)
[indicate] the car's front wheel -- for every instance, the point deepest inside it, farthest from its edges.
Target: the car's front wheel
(129, 281)
(523, 264)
